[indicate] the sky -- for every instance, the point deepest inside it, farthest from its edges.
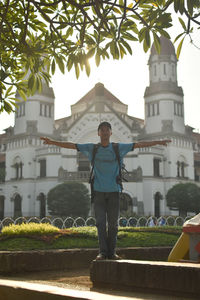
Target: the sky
(127, 80)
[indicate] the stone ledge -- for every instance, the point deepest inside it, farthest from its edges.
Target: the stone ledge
(180, 279)
(18, 290)
(49, 260)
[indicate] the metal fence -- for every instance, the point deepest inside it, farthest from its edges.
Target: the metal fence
(90, 221)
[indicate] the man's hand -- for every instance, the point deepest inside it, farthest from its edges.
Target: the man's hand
(46, 140)
(67, 145)
(151, 143)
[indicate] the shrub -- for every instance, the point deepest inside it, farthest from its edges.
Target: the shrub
(29, 228)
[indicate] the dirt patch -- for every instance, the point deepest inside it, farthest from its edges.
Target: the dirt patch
(72, 279)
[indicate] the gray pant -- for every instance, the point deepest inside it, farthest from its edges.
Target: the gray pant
(106, 209)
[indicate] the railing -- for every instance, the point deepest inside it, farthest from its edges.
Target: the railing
(90, 221)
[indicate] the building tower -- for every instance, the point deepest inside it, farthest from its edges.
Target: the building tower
(36, 114)
(164, 111)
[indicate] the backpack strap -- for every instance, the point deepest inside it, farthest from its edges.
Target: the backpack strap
(119, 177)
(116, 150)
(94, 152)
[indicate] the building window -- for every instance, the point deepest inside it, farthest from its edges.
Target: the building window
(148, 110)
(42, 200)
(42, 163)
(2, 202)
(156, 167)
(181, 168)
(164, 69)
(18, 168)
(155, 71)
(197, 170)
(178, 109)
(83, 163)
(153, 109)
(40, 109)
(17, 206)
(2, 171)
(45, 110)
(173, 70)
(20, 111)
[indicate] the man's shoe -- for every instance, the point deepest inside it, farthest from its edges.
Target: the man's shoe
(100, 257)
(115, 257)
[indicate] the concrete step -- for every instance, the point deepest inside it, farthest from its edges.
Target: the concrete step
(60, 259)
(180, 279)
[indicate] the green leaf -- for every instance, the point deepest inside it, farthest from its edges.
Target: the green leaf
(53, 67)
(141, 34)
(8, 91)
(114, 50)
(60, 64)
(116, 10)
(97, 59)
(178, 36)
(164, 33)
(145, 46)
(122, 50)
(147, 38)
(179, 48)
(31, 82)
(87, 68)
(22, 94)
(190, 7)
(129, 36)
(90, 53)
(156, 42)
(69, 64)
(126, 45)
(182, 24)
(8, 108)
(69, 32)
(77, 70)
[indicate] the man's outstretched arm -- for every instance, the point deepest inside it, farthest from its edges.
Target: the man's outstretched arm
(151, 143)
(67, 145)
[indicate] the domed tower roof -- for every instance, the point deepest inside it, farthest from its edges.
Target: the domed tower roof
(167, 48)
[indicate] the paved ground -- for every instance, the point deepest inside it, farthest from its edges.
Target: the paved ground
(73, 279)
(80, 280)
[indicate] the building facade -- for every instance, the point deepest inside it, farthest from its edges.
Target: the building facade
(29, 169)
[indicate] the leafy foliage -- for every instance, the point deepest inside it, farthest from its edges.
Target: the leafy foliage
(184, 197)
(86, 237)
(69, 199)
(30, 228)
(36, 36)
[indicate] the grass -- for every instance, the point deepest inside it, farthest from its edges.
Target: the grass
(34, 236)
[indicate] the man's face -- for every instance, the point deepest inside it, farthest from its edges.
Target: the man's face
(104, 132)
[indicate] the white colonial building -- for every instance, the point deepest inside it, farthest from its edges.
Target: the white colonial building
(29, 169)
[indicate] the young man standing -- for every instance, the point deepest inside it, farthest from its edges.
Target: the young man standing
(106, 187)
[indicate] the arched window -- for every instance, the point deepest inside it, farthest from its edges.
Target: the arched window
(42, 199)
(2, 171)
(2, 199)
(17, 206)
(18, 168)
(156, 167)
(43, 167)
(157, 198)
(181, 167)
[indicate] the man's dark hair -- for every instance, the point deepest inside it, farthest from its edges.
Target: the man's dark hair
(104, 124)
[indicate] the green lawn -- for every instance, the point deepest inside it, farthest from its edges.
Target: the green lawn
(85, 237)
